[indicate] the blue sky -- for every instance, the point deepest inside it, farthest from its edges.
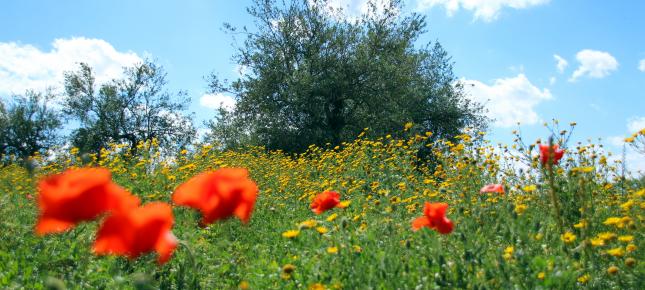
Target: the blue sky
(506, 48)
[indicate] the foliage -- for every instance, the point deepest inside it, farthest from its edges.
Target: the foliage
(132, 109)
(314, 76)
(499, 241)
(226, 131)
(28, 125)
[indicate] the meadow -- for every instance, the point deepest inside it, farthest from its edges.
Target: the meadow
(575, 224)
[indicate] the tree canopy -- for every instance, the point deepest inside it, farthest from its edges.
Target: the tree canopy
(131, 109)
(28, 125)
(315, 76)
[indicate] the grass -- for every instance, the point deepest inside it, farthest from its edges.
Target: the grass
(500, 241)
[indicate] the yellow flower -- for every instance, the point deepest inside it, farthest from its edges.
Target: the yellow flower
(530, 188)
(344, 204)
(408, 126)
(332, 217)
(357, 248)
(612, 221)
(244, 285)
(581, 224)
(308, 224)
(616, 252)
(520, 208)
(508, 253)
(630, 248)
(541, 275)
(332, 250)
(606, 236)
(627, 205)
(568, 237)
(584, 278)
(288, 268)
(316, 286)
(597, 242)
(290, 234)
(322, 230)
(626, 239)
(612, 270)
(402, 186)
(630, 262)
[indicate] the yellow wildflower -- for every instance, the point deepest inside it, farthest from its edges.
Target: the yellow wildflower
(581, 224)
(606, 236)
(316, 286)
(597, 242)
(584, 278)
(322, 230)
(616, 252)
(508, 253)
(332, 217)
(626, 239)
(530, 188)
(332, 250)
(568, 237)
(290, 234)
(308, 224)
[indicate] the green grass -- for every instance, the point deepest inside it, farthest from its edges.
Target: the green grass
(377, 248)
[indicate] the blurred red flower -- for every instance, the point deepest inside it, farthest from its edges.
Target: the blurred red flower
(325, 201)
(78, 195)
(498, 188)
(545, 153)
(137, 231)
(434, 217)
(219, 194)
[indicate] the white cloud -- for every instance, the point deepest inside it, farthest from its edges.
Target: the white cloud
(641, 65)
(486, 10)
(509, 100)
(594, 64)
(561, 63)
(552, 80)
(215, 101)
(24, 66)
(636, 124)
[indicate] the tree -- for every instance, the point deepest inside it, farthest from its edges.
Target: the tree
(226, 131)
(132, 109)
(316, 77)
(28, 125)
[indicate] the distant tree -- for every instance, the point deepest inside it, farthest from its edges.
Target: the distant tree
(226, 131)
(132, 109)
(28, 125)
(315, 76)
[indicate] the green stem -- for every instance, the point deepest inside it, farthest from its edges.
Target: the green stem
(551, 180)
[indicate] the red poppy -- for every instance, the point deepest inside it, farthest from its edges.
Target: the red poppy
(219, 194)
(137, 231)
(434, 217)
(78, 195)
(492, 188)
(325, 201)
(545, 153)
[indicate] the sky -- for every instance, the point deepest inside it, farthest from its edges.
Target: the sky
(527, 61)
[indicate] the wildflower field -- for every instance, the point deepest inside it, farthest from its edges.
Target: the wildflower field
(364, 215)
